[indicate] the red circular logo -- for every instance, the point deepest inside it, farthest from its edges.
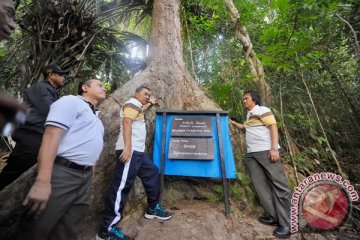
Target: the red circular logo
(325, 206)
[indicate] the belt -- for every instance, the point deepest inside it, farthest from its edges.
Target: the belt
(72, 165)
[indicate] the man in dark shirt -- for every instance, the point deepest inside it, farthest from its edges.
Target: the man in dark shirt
(28, 137)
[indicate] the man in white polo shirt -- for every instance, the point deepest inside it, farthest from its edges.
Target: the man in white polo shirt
(132, 161)
(264, 165)
(72, 143)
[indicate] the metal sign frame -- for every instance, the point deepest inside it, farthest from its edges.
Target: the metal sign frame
(221, 151)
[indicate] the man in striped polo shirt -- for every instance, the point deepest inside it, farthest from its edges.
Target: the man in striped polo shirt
(132, 161)
(264, 165)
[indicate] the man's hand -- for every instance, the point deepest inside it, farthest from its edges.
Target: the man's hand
(274, 155)
(274, 136)
(125, 155)
(153, 100)
(37, 198)
(11, 111)
(238, 125)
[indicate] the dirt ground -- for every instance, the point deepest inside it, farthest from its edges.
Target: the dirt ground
(200, 220)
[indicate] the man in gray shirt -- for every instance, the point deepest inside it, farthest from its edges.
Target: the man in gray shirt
(72, 143)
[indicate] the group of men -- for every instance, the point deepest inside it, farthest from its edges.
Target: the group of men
(65, 137)
(58, 194)
(72, 143)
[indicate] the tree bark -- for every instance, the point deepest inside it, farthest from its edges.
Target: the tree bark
(170, 82)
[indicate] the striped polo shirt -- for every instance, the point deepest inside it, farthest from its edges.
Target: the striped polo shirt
(257, 132)
(133, 109)
(82, 142)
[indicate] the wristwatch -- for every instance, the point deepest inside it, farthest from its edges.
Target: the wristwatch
(275, 149)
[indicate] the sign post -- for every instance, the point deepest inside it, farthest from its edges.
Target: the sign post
(223, 171)
(194, 144)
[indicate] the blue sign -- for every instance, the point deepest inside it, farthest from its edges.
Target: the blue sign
(208, 167)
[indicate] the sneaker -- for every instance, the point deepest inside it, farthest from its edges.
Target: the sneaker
(116, 234)
(157, 213)
(102, 236)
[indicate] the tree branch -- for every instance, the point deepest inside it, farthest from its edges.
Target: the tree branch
(357, 46)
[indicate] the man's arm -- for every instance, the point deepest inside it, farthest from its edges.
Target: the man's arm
(39, 193)
(237, 125)
(127, 151)
(274, 136)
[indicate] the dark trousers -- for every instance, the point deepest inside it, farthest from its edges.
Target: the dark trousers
(23, 157)
(123, 179)
(270, 183)
(65, 210)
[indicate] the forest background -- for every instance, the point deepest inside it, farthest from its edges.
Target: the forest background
(303, 56)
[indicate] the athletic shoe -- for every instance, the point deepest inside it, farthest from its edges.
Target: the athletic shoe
(116, 234)
(102, 236)
(157, 213)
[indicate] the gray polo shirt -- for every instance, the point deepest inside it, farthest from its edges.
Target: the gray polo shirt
(82, 142)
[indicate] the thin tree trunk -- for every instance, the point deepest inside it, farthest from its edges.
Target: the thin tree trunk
(256, 68)
(190, 51)
(288, 139)
(321, 126)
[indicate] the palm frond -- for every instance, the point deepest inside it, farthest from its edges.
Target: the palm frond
(71, 33)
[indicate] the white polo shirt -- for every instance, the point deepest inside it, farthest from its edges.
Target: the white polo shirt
(133, 109)
(257, 132)
(82, 142)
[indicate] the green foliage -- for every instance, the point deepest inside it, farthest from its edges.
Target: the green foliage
(241, 191)
(295, 41)
(218, 194)
(302, 160)
(81, 36)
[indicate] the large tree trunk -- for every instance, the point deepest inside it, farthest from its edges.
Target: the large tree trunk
(11, 198)
(170, 82)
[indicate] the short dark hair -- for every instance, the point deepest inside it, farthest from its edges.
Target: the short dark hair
(82, 83)
(139, 89)
(255, 96)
